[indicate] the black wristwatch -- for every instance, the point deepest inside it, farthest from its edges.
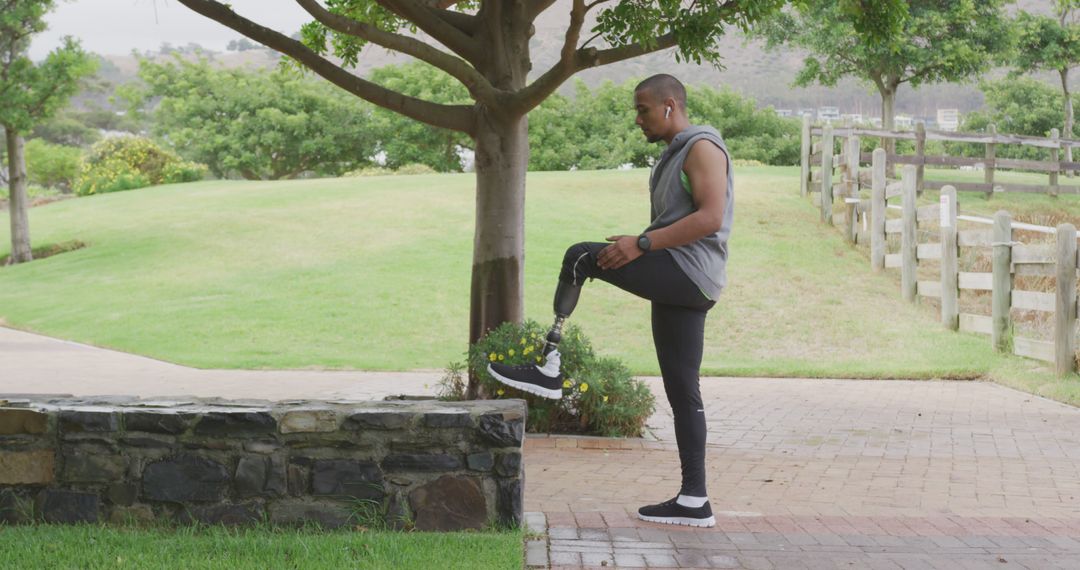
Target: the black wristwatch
(644, 243)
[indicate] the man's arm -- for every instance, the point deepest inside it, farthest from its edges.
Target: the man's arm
(706, 167)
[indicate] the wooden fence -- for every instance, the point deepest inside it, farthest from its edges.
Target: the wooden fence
(866, 221)
(1053, 166)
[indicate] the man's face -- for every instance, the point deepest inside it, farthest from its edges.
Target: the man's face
(650, 115)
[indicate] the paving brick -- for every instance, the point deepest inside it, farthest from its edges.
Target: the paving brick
(661, 561)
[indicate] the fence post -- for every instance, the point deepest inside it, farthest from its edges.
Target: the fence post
(1002, 281)
(1065, 309)
(877, 212)
(826, 174)
(909, 241)
(807, 150)
(920, 154)
(1055, 156)
(950, 291)
(988, 165)
(853, 150)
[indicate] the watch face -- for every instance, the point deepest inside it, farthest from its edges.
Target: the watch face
(644, 243)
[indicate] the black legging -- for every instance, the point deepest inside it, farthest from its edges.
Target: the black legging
(678, 326)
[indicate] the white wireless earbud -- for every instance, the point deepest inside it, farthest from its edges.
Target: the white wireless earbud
(667, 113)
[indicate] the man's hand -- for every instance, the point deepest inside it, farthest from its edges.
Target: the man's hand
(623, 250)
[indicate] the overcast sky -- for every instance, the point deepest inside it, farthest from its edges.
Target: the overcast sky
(119, 26)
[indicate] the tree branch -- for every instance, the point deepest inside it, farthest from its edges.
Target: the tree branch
(433, 24)
(583, 58)
(477, 85)
(455, 117)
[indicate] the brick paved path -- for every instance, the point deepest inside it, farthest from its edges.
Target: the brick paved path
(828, 474)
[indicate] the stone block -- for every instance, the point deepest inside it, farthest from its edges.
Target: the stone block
(511, 502)
(508, 464)
(148, 441)
(133, 514)
(158, 421)
(347, 478)
(82, 421)
(15, 508)
(93, 468)
(231, 424)
(328, 516)
(27, 467)
(378, 420)
(448, 420)
(502, 432)
(227, 514)
(449, 503)
(308, 421)
(428, 462)
(68, 507)
(297, 482)
(259, 476)
(122, 494)
(482, 461)
(15, 421)
(185, 478)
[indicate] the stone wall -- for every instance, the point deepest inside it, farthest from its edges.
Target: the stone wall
(423, 463)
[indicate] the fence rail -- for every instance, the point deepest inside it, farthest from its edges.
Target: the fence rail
(866, 221)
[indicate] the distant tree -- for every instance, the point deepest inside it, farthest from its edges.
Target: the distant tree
(67, 128)
(1017, 105)
(751, 133)
(1053, 44)
(264, 125)
(406, 141)
(916, 42)
(31, 93)
(242, 44)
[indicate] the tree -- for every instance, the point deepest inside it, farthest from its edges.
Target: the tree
(918, 42)
(1054, 44)
(1015, 105)
(405, 141)
(263, 125)
(484, 44)
(31, 93)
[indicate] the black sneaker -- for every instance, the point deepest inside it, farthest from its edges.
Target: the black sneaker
(545, 381)
(671, 512)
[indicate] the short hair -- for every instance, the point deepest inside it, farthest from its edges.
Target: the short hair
(664, 86)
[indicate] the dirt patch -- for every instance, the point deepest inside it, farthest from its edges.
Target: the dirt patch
(49, 250)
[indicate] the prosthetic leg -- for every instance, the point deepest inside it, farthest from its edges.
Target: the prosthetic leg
(545, 380)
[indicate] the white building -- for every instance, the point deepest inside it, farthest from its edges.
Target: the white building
(828, 114)
(948, 119)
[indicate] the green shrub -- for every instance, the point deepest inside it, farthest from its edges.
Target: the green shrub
(52, 165)
(601, 396)
(415, 168)
(128, 162)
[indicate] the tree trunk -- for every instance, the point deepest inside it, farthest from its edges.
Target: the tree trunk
(1067, 132)
(888, 123)
(502, 158)
(17, 201)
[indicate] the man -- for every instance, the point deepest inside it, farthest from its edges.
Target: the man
(678, 263)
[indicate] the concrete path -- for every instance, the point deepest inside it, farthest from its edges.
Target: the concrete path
(802, 473)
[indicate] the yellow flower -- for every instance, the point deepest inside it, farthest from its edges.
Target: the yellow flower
(605, 399)
(534, 335)
(527, 350)
(511, 352)
(501, 357)
(566, 384)
(538, 359)
(492, 357)
(522, 341)
(584, 386)
(500, 392)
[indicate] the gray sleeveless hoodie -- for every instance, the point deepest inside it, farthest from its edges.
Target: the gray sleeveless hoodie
(704, 260)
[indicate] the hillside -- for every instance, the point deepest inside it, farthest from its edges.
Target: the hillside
(750, 70)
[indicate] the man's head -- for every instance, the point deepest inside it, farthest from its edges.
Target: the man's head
(661, 107)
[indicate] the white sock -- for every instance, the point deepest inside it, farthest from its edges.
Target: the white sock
(692, 502)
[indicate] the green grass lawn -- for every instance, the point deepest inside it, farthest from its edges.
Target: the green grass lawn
(93, 547)
(373, 273)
